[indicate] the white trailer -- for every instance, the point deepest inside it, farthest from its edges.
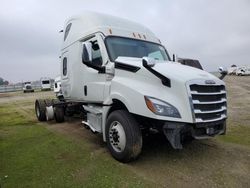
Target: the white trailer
(45, 84)
(118, 75)
(243, 71)
(232, 70)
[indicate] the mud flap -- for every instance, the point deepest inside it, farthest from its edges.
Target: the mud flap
(172, 132)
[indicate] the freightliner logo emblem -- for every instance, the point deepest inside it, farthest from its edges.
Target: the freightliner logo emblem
(209, 82)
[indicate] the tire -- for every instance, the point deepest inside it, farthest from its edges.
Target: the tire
(59, 114)
(123, 135)
(40, 108)
(49, 112)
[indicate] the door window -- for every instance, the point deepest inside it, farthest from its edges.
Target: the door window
(64, 66)
(96, 52)
(97, 58)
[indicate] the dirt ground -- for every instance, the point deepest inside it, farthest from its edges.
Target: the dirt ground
(217, 162)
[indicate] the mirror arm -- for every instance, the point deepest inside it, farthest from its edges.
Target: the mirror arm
(165, 80)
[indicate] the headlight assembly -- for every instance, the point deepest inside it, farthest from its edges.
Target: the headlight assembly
(161, 108)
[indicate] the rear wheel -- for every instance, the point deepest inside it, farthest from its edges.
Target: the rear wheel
(59, 114)
(40, 108)
(123, 136)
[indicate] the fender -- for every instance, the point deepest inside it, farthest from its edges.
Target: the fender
(119, 97)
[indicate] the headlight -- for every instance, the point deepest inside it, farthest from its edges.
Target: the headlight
(161, 108)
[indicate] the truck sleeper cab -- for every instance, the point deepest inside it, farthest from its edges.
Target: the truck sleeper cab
(122, 79)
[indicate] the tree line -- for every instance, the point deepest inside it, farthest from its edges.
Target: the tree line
(3, 82)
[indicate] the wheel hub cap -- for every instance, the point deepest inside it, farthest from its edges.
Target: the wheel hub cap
(117, 136)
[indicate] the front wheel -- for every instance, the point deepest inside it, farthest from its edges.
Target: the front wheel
(123, 136)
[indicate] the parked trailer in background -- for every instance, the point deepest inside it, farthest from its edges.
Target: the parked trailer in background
(243, 71)
(232, 70)
(118, 75)
(45, 84)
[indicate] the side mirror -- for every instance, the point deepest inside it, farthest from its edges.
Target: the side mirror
(174, 57)
(87, 52)
(150, 62)
(223, 72)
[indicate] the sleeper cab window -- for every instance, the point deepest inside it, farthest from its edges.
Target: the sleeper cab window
(64, 66)
(66, 33)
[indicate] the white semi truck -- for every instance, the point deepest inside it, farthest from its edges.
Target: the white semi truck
(27, 87)
(120, 78)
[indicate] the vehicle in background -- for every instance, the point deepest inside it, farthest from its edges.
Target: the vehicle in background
(243, 71)
(27, 87)
(190, 62)
(45, 84)
(57, 87)
(232, 70)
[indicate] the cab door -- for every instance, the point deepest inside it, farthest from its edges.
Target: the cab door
(94, 80)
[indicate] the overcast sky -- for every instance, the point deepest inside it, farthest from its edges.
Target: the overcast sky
(215, 32)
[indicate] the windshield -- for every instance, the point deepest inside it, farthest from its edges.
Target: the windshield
(118, 46)
(45, 82)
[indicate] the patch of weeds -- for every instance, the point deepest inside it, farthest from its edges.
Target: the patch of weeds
(11, 116)
(237, 134)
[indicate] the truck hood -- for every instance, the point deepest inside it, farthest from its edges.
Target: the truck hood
(169, 69)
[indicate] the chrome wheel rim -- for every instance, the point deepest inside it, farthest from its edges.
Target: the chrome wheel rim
(117, 136)
(37, 111)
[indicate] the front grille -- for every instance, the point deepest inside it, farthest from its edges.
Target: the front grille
(28, 87)
(208, 101)
(206, 88)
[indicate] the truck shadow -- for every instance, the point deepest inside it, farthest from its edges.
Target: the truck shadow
(157, 148)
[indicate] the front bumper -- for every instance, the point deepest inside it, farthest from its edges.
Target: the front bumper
(28, 90)
(176, 132)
